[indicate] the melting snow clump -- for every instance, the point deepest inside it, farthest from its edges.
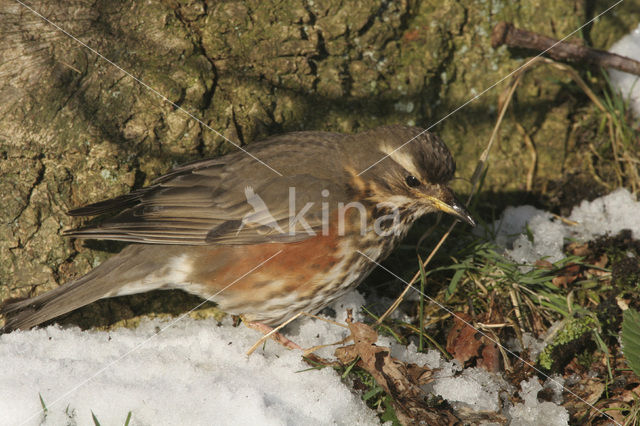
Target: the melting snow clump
(532, 412)
(529, 234)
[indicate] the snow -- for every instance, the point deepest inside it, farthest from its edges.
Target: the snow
(547, 233)
(475, 388)
(195, 372)
(532, 412)
(626, 83)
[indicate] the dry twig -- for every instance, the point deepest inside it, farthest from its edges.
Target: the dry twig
(507, 33)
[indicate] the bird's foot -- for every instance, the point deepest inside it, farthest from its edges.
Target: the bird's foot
(270, 333)
(273, 333)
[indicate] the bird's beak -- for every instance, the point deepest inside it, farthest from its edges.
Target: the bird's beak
(447, 202)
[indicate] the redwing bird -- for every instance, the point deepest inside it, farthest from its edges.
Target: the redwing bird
(261, 244)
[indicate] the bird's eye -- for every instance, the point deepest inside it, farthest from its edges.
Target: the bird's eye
(412, 181)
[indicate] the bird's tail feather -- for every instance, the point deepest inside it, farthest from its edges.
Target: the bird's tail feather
(28, 313)
(97, 284)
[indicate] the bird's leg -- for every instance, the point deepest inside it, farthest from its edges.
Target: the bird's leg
(272, 333)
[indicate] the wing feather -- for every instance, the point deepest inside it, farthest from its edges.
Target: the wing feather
(209, 202)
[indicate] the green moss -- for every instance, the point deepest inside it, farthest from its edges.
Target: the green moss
(569, 342)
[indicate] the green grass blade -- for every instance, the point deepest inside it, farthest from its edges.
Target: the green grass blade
(631, 339)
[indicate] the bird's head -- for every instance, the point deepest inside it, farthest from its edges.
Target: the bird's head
(409, 168)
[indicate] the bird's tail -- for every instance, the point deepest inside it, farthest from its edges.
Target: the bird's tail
(97, 284)
(28, 313)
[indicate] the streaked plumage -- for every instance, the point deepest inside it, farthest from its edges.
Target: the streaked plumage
(200, 227)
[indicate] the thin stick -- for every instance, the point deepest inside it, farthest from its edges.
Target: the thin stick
(565, 220)
(397, 302)
(516, 306)
(507, 33)
(505, 357)
(534, 156)
(312, 349)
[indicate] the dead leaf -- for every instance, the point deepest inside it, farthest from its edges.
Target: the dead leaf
(400, 380)
(602, 261)
(589, 390)
(466, 343)
(578, 249)
(463, 342)
(631, 394)
(567, 275)
(490, 357)
(544, 264)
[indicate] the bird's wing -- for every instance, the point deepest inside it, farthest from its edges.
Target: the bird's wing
(207, 202)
